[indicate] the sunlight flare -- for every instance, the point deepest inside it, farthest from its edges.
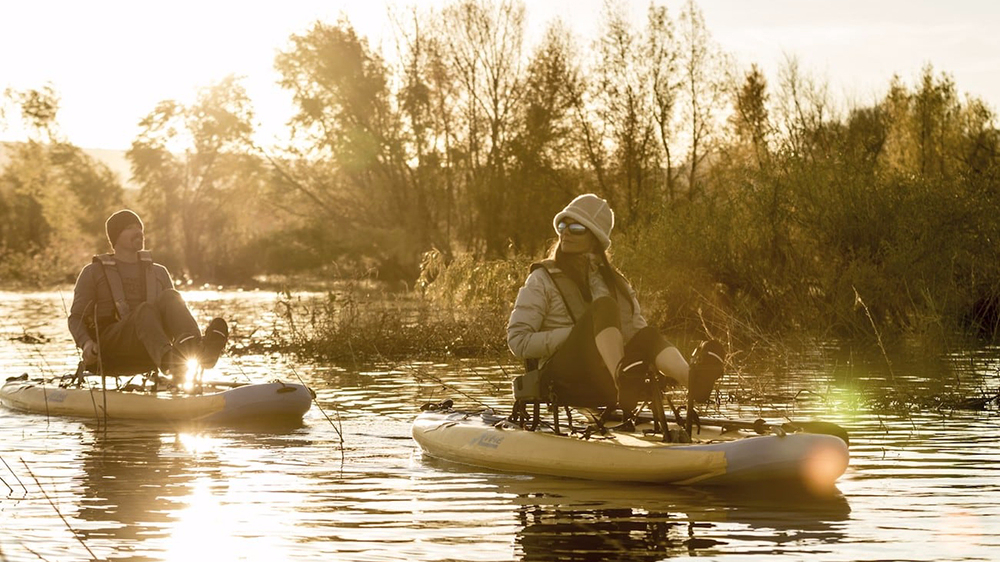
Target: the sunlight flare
(822, 468)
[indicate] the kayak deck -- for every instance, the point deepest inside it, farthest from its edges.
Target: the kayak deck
(274, 401)
(718, 455)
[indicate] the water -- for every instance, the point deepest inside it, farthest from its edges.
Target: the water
(920, 487)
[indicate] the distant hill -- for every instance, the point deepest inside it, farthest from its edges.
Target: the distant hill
(113, 159)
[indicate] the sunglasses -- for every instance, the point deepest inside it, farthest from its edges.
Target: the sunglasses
(573, 227)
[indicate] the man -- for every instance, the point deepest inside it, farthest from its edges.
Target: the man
(128, 318)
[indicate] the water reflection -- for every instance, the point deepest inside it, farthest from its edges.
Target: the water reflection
(579, 520)
(154, 494)
(602, 534)
(134, 480)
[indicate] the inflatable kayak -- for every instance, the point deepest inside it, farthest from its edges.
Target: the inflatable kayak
(216, 404)
(717, 455)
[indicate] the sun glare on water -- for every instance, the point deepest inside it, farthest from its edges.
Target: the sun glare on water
(215, 520)
(209, 528)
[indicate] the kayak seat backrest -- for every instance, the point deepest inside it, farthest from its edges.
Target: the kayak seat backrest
(537, 387)
(120, 367)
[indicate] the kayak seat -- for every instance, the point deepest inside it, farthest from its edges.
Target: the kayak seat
(121, 368)
(537, 387)
(533, 388)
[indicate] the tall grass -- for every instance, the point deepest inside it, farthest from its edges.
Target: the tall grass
(456, 310)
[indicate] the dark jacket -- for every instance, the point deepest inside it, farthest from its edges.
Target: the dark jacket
(93, 291)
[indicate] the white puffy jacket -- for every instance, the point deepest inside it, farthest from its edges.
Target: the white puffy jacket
(540, 322)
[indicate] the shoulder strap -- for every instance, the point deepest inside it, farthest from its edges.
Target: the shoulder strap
(146, 259)
(108, 269)
(570, 293)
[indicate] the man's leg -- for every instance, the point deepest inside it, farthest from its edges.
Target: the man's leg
(214, 342)
(135, 343)
(178, 323)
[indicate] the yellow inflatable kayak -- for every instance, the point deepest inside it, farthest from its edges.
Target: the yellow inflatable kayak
(718, 455)
(226, 404)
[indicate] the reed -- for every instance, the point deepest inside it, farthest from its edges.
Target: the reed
(55, 508)
(361, 324)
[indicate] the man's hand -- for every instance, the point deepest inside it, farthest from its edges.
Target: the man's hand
(90, 353)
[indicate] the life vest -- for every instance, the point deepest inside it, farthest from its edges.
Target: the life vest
(107, 269)
(570, 292)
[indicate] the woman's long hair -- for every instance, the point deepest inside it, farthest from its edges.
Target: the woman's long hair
(576, 268)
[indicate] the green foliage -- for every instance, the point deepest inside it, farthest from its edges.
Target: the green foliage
(866, 207)
(542, 175)
(458, 308)
(53, 203)
(38, 109)
(361, 323)
(53, 199)
(471, 286)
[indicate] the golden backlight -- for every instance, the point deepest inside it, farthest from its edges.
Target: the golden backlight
(823, 467)
(216, 524)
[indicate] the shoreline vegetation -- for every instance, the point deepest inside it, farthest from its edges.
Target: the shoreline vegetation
(462, 315)
(419, 182)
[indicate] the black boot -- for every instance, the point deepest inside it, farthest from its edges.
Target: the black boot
(214, 342)
(707, 364)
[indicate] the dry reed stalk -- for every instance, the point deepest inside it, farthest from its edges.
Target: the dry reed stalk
(59, 513)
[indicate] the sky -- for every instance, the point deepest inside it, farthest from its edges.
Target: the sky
(111, 61)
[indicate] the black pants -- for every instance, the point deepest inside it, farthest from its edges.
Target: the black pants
(577, 370)
(138, 342)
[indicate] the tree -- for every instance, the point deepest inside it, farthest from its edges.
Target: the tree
(663, 56)
(544, 156)
(704, 70)
(750, 119)
(482, 45)
(53, 198)
(38, 109)
(617, 97)
(199, 181)
(427, 132)
(803, 112)
(925, 126)
(356, 168)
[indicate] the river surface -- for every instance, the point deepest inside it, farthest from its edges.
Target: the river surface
(920, 486)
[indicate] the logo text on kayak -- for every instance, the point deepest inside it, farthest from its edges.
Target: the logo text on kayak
(487, 440)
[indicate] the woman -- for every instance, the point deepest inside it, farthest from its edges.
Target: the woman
(578, 319)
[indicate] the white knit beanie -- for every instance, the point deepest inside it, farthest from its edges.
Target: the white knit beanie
(592, 212)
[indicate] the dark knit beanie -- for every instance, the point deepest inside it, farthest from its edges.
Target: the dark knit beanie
(119, 222)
